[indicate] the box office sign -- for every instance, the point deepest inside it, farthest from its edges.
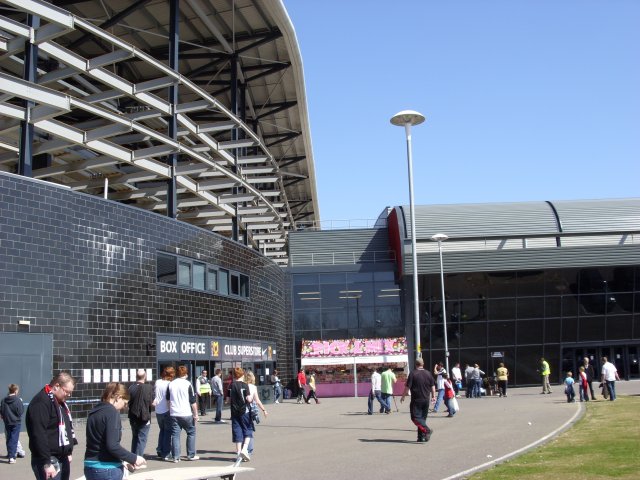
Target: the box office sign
(181, 347)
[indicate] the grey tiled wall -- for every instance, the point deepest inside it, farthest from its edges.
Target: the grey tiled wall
(84, 269)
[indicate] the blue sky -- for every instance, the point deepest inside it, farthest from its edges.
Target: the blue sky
(525, 100)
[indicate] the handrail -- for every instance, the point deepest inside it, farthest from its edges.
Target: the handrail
(342, 258)
(347, 224)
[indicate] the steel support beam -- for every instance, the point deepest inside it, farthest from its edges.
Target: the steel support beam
(172, 159)
(233, 84)
(110, 23)
(25, 153)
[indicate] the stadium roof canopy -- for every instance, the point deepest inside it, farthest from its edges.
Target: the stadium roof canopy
(222, 141)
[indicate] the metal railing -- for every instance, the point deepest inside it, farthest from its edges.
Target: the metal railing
(350, 224)
(342, 258)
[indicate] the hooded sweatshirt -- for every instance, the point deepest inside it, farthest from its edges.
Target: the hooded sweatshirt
(104, 431)
(12, 410)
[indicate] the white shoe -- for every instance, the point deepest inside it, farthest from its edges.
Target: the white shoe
(12, 460)
(194, 458)
(277, 401)
(245, 455)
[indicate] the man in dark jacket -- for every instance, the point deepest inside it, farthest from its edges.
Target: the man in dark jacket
(11, 411)
(50, 429)
(422, 387)
(141, 398)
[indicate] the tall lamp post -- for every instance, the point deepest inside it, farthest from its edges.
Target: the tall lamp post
(441, 237)
(407, 119)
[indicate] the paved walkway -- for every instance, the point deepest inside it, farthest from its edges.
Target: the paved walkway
(336, 439)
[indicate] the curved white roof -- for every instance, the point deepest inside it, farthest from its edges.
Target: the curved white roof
(101, 109)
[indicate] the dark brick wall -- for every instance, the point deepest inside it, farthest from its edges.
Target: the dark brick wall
(84, 269)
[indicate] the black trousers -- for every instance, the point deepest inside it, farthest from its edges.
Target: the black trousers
(203, 402)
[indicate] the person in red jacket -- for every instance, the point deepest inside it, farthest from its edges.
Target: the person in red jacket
(449, 394)
(302, 382)
(584, 385)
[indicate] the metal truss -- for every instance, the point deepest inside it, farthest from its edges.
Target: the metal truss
(99, 129)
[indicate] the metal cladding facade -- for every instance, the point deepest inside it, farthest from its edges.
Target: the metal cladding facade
(527, 235)
(559, 279)
(556, 279)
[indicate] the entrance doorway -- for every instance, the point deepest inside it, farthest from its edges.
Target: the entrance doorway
(624, 357)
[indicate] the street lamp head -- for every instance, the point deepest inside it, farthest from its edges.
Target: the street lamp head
(439, 237)
(407, 117)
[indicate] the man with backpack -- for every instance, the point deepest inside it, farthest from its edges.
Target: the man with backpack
(141, 396)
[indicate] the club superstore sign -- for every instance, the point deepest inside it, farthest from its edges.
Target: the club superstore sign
(181, 347)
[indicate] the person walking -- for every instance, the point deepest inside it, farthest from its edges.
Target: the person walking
(184, 414)
(503, 379)
(255, 404)
(376, 392)
(470, 383)
(11, 410)
(449, 395)
(141, 397)
(302, 382)
(609, 375)
(163, 450)
(583, 386)
(545, 371)
(104, 456)
(241, 426)
(277, 387)
(388, 378)
(456, 377)
(312, 388)
(476, 376)
(50, 429)
(422, 387)
(203, 390)
(217, 391)
(591, 375)
(438, 372)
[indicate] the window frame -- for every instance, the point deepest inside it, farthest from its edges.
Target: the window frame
(216, 280)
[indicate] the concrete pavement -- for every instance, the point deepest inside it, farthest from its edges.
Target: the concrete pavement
(337, 439)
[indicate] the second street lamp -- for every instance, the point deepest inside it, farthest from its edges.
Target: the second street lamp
(441, 237)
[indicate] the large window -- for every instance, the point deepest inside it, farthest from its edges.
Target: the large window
(346, 304)
(189, 273)
(529, 313)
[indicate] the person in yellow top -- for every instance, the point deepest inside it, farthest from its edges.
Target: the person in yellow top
(545, 371)
(203, 390)
(503, 377)
(312, 388)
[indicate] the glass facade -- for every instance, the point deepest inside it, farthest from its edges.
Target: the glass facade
(528, 314)
(338, 305)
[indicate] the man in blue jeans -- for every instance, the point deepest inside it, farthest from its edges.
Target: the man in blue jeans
(184, 414)
(11, 411)
(217, 392)
(388, 378)
(609, 375)
(376, 392)
(438, 370)
(141, 398)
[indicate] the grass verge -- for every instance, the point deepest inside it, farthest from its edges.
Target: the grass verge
(603, 444)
